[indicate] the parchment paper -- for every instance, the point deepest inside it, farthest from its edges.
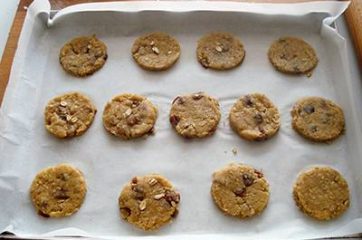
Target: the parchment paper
(108, 163)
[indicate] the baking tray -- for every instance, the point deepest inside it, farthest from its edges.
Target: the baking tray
(108, 163)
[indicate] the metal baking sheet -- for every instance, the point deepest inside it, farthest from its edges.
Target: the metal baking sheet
(108, 163)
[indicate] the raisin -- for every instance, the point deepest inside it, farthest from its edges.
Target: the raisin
(139, 196)
(125, 211)
(240, 192)
(309, 109)
(247, 101)
(248, 180)
(43, 214)
(174, 120)
(175, 213)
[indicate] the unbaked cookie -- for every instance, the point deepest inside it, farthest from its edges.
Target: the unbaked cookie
(69, 115)
(58, 191)
(156, 51)
(322, 193)
(195, 115)
(292, 55)
(240, 190)
(220, 51)
(149, 202)
(317, 119)
(129, 116)
(254, 117)
(83, 56)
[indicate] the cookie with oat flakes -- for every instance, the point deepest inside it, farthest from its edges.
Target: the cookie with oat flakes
(149, 202)
(69, 115)
(129, 116)
(156, 51)
(220, 51)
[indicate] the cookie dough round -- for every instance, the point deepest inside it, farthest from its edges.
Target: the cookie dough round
(58, 191)
(82, 56)
(69, 115)
(317, 119)
(292, 55)
(220, 51)
(254, 117)
(129, 116)
(156, 51)
(321, 193)
(195, 116)
(149, 202)
(240, 190)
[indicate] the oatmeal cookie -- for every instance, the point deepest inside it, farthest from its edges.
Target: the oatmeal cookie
(82, 56)
(254, 117)
(69, 115)
(195, 116)
(292, 55)
(149, 202)
(321, 193)
(156, 51)
(317, 119)
(58, 191)
(220, 51)
(129, 116)
(240, 190)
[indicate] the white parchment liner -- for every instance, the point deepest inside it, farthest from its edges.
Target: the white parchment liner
(108, 162)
